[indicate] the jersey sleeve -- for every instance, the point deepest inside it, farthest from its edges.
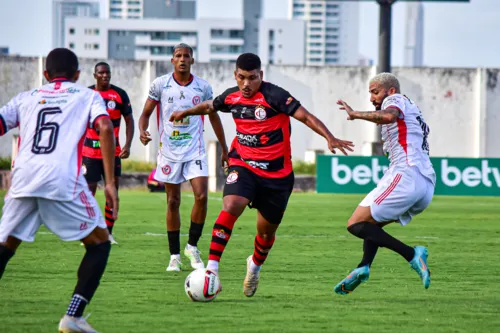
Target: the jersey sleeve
(9, 116)
(127, 108)
(155, 89)
(97, 110)
(220, 102)
(282, 101)
(209, 95)
(395, 102)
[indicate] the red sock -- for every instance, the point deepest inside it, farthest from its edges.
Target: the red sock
(220, 234)
(261, 250)
(108, 214)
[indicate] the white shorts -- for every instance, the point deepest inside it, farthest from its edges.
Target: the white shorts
(69, 220)
(178, 172)
(400, 195)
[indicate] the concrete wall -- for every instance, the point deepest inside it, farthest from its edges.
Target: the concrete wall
(462, 106)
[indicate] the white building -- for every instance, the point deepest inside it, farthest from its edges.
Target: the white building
(414, 35)
(332, 29)
(70, 8)
(126, 9)
(282, 42)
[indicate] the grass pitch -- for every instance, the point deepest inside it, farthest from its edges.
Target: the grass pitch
(313, 251)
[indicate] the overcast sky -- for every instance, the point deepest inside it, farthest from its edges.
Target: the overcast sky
(456, 35)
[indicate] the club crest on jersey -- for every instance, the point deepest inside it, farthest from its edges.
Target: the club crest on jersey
(166, 170)
(196, 100)
(260, 113)
(111, 105)
(232, 177)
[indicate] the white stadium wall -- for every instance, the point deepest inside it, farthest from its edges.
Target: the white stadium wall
(462, 106)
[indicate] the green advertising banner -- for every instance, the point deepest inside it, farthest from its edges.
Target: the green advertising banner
(455, 176)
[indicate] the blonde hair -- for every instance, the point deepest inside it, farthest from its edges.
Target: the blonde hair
(387, 80)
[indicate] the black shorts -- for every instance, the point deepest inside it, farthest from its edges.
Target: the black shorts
(268, 195)
(93, 169)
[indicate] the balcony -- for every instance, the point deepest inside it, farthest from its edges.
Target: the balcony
(146, 40)
(227, 41)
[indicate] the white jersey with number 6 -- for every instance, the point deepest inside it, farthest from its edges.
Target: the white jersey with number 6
(405, 141)
(52, 122)
(180, 141)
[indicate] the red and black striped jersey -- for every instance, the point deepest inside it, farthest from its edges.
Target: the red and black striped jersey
(262, 142)
(117, 105)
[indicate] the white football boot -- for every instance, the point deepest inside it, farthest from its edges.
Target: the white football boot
(175, 264)
(251, 281)
(70, 324)
(193, 254)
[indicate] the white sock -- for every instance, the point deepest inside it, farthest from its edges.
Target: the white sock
(213, 265)
(190, 247)
(175, 256)
(253, 267)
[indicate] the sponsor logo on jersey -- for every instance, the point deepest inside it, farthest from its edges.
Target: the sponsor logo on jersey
(260, 113)
(170, 99)
(177, 136)
(258, 165)
(289, 100)
(196, 100)
(166, 169)
(111, 105)
(182, 95)
(232, 177)
(70, 90)
(248, 139)
(83, 226)
(59, 101)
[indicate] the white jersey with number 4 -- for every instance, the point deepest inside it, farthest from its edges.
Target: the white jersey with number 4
(405, 141)
(180, 141)
(52, 122)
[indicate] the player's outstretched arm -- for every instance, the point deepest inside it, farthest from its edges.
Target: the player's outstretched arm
(9, 116)
(317, 125)
(206, 107)
(148, 110)
(219, 132)
(107, 141)
(387, 116)
(129, 130)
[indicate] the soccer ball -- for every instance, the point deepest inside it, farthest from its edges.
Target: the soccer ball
(202, 285)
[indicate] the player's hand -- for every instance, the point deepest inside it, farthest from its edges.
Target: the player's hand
(125, 152)
(347, 108)
(111, 195)
(145, 137)
(176, 116)
(342, 145)
(224, 160)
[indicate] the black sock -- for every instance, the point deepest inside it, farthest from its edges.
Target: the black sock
(367, 230)
(5, 255)
(369, 252)
(195, 231)
(89, 275)
(174, 242)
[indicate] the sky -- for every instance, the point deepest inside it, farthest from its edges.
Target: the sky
(456, 34)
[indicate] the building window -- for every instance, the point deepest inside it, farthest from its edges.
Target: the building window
(271, 36)
(316, 21)
(315, 44)
(71, 45)
(316, 29)
(235, 34)
(71, 31)
(298, 14)
(217, 33)
(315, 59)
(332, 44)
(134, 10)
(298, 5)
(332, 14)
(316, 14)
(132, 3)
(121, 47)
(116, 16)
(235, 49)
(115, 10)
(331, 60)
(116, 2)
(331, 52)
(96, 46)
(315, 52)
(316, 5)
(332, 29)
(174, 35)
(331, 6)
(315, 36)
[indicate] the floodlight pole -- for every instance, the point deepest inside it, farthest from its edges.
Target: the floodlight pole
(384, 38)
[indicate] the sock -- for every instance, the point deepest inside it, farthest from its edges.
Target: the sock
(367, 230)
(369, 252)
(221, 234)
(213, 265)
(5, 255)
(77, 306)
(261, 249)
(110, 222)
(174, 242)
(195, 231)
(89, 275)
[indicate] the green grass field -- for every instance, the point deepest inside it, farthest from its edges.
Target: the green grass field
(313, 251)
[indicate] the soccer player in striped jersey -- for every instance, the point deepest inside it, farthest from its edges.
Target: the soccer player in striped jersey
(47, 183)
(405, 190)
(260, 161)
(118, 106)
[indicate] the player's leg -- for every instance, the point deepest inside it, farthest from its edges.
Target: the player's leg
(80, 219)
(271, 204)
(92, 170)
(239, 191)
(173, 192)
(20, 222)
(110, 221)
(198, 216)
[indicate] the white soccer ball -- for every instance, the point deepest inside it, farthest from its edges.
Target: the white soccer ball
(202, 285)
